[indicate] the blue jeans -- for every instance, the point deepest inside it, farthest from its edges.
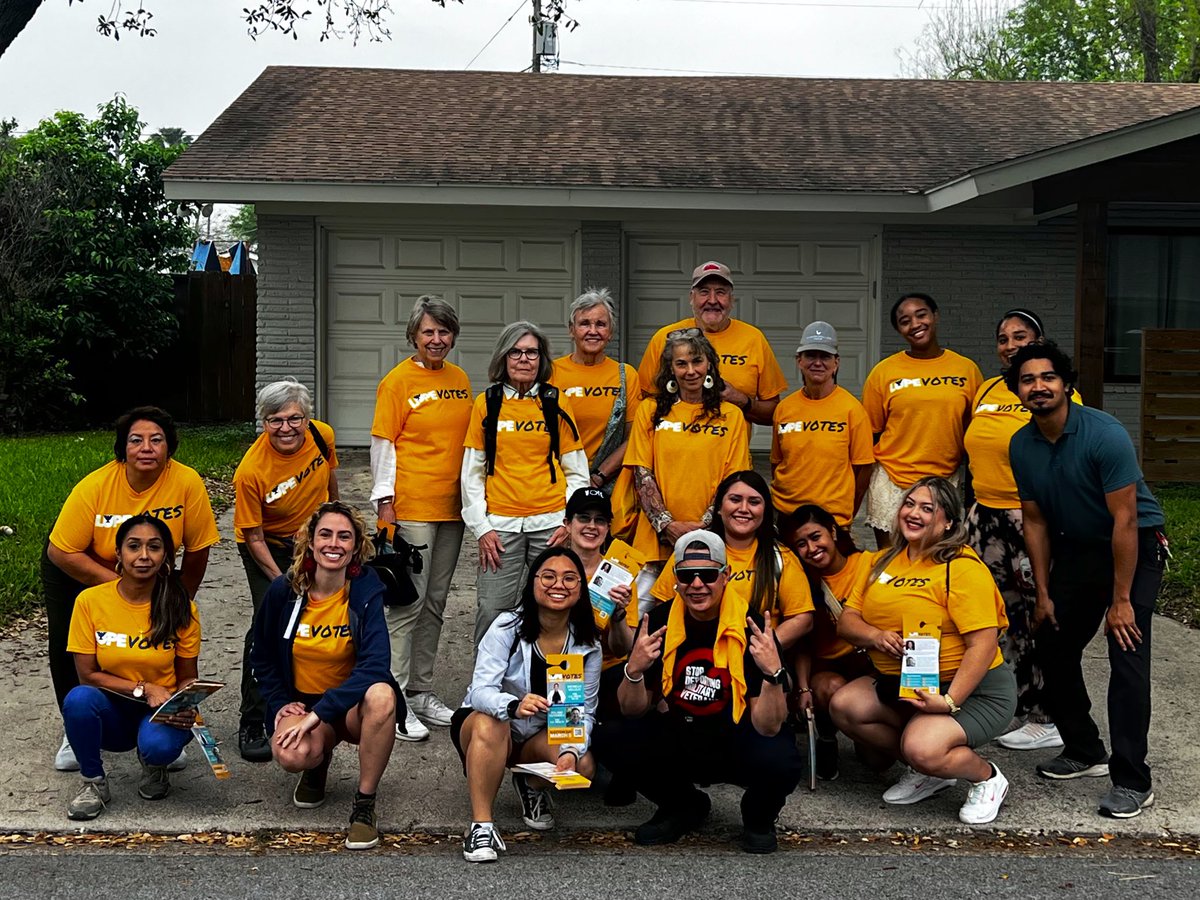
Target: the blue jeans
(97, 720)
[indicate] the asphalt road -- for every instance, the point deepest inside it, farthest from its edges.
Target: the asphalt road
(532, 873)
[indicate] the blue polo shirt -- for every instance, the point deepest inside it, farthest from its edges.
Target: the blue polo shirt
(1068, 479)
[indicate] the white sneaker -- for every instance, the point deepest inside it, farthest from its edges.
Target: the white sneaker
(1031, 736)
(64, 759)
(179, 763)
(430, 709)
(984, 799)
(411, 728)
(481, 842)
(913, 787)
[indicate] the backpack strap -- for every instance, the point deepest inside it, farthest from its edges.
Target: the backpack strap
(551, 413)
(318, 440)
(493, 398)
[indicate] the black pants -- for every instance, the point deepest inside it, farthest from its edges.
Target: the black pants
(254, 709)
(60, 591)
(659, 756)
(1081, 586)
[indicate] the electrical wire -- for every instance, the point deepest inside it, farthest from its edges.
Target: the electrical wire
(520, 6)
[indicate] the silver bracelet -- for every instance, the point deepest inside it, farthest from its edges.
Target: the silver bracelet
(630, 678)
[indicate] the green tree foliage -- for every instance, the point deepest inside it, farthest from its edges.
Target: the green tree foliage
(171, 137)
(87, 247)
(243, 226)
(1060, 40)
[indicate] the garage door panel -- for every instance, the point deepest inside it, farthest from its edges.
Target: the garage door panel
(351, 307)
(730, 253)
(844, 312)
(771, 310)
(544, 256)
(357, 252)
(486, 310)
(649, 257)
(350, 412)
(778, 259)
(362, 360)
(851, 258)
(489, 255)
(421, 253)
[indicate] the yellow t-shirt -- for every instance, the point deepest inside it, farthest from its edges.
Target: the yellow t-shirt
(279, 492)
(825, 641)
(521, 484)
(323, 650)
(103, 499)
(632, 561)
(747, 360)
(792, 596)
(593, 391)
(917, 407)
(424, 412)
(814, 445)
(996, 416)
(689, 455)
(109, 627)
(919, 588)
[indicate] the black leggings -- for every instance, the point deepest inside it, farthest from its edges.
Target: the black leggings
(60, 591)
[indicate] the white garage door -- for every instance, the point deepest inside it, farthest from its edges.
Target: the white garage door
(491, 277)
(780, 286)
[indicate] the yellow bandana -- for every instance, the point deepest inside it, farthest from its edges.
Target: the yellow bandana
(728, 651)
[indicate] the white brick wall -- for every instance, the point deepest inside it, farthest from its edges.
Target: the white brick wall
(975, 274)
(287, 325)
(1124, 402)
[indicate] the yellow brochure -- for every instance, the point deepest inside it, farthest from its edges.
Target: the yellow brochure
(565, 691)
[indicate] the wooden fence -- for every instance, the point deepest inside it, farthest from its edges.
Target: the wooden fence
(1171, 404)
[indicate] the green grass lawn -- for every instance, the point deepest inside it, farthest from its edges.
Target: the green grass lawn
(37, 473)
(1180, 596)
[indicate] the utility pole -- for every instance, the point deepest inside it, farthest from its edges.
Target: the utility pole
(537, 34)
(545, 37)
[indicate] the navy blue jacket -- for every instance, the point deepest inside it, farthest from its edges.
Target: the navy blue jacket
(275, 630)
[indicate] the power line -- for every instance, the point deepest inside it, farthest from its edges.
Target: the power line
(520, 6)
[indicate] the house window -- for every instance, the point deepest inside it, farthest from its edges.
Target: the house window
(1153, 282)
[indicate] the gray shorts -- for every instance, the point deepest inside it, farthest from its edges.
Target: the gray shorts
(987, 713)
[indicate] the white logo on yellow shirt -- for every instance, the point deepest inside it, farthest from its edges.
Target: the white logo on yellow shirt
(125, 642)
(987, 408)
(305, 630)
(511, 425)
(693, 428)
(814, 425)
(933, 381)
(114, 520)
(591, 391)
(280, 489)
(444, 394)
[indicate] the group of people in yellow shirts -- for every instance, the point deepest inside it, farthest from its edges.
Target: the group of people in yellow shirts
(567, 465)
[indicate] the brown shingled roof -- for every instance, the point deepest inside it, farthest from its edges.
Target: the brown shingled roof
(405, 127)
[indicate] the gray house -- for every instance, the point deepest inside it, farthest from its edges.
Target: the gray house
(509, 193)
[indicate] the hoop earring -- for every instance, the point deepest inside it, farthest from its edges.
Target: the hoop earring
(117, 566)
(708, 382)
(671, 386)
(354, 570)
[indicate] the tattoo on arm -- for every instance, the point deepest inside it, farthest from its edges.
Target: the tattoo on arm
(650, 496)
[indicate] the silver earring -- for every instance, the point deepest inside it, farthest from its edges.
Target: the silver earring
(708, 381)
(671, 386)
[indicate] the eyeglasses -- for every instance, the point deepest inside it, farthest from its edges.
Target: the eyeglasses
(682, 333)
(568, 580)
(277, 422)
(516, 353)
(585, 519)
(706, 574)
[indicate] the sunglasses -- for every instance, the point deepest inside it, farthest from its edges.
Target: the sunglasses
(585, 519)
(706, 574)
(684, 333)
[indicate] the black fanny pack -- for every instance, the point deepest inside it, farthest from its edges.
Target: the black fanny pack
(395, 563)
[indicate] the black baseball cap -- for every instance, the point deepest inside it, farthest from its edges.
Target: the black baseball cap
(589, 498)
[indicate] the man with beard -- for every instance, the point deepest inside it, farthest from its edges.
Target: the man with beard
(1095, 538)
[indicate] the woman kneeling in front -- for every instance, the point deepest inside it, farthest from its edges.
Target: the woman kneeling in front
(502, 721)
(134, 641)
(322, 659)
(929, 577)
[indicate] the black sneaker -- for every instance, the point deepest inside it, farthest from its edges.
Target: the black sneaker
(667, 826)
(1063, 768)
(827, 758)
(254, 743)
(310, 787)
(759, 841)
(536, 805)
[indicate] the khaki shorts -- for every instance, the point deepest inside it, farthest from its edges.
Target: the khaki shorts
(883, 498)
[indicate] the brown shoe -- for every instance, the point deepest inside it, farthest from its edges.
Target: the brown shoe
(310, 788)
(364, 832)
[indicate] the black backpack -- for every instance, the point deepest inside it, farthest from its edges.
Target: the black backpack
(551, 413)
(395, 568)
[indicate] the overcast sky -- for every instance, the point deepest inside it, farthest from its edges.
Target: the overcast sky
(202, 58)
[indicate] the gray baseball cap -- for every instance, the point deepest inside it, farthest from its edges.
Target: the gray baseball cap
(699, 546)
(819, 336)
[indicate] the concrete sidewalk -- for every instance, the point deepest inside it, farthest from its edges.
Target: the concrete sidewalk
(424, 789)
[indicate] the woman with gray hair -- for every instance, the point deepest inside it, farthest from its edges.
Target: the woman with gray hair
(288, 472)
(523, 459)
(600, 390)
(421, 412)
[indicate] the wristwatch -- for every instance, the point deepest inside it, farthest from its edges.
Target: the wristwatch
(513, 705)
(139, 690)
(778, 677)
